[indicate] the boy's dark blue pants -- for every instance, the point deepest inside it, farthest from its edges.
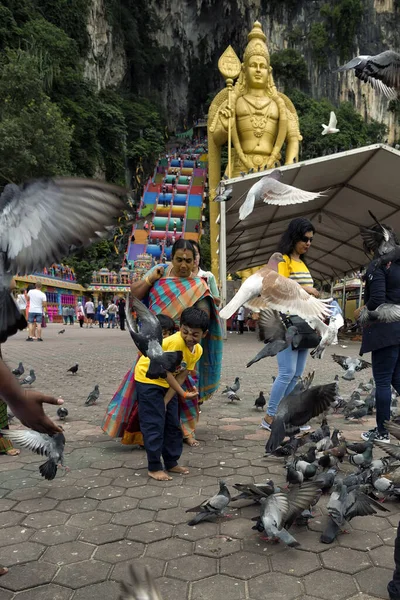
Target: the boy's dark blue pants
(160, 426)
(394, 585)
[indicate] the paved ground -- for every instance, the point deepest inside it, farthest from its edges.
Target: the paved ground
(73, 538)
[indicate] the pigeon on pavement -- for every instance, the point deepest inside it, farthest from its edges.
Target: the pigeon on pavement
(29, 379)
(331, 128)
(254, 491)
(272, 191)
(62, 413)
(232, 396)
(260, 401)
(93, 396)
(267, 289)
(213, 507)
(41, 443)
(61, 331)
(139, 588)
(381, 71)
(19, 370)
(297, 409)
(149, 342)
(350, 365)
(73, 369)
(41, 222)
(274, 334)
(233, 388)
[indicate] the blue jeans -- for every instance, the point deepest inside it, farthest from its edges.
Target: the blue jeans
(111, 319)
(386, 372)
(291, 365)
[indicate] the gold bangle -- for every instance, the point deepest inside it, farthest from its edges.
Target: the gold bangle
(147, 280)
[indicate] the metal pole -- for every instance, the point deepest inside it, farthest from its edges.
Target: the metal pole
(344, 297)
(222, 262)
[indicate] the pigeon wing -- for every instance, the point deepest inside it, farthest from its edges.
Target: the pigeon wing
(40, 443)
(388, 313)
(390, 449)
(385, 67)
(300, 498)
(280, 194)
(332, 120)
(150, 327)
(393, 429)
(40, 222)
(341, 360)
(363, 365)
(139, 589)
(357, 504)
(270, 326)
(299, 409)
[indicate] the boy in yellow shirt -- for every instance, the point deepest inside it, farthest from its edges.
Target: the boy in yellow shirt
(158, 398)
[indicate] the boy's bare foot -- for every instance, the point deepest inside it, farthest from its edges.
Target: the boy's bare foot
(180, 470)
(190, 441)
(159, 475)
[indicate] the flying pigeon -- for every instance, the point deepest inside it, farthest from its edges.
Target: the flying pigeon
(331, 128)
(384, 313)
(139, 588)
(381, 71)
(19, 370)
(29, 379)
(272, 191)
(93, 396)
(328, 333)
(61, 331)
(149, 342)
(41, 443)
(40, 222)
(62, 413)
(273, 333)
(297, 409)
(267, 289)
(350, 365)
(224, 196)
(382, 242)
(233, 388)
(73, 369)
(254, 491)
(260, 401)
(213, 507)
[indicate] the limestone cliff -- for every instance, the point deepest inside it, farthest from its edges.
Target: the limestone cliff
(193, 34)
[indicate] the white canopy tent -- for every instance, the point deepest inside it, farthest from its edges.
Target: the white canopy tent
(356, 181)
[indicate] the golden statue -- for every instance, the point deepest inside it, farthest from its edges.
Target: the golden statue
(261, 119)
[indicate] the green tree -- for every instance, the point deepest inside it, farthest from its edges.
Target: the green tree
(289, 67)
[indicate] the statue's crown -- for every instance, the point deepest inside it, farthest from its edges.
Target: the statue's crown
(257, 43)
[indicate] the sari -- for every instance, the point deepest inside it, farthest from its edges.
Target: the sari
(170, 296)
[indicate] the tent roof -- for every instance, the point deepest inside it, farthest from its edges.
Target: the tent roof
(356, 181)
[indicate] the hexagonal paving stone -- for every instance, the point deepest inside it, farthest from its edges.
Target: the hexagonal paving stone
(274, 586)
(191, 568)
(144, 491)
(371, 523)
(218, 586)
(203, 462)
(108, 590)
(70, 493)
(128, 482)
(105, 492)
(244, 565)
(148, 533)
(79, 505)
(219, 471)
(172, 588)
(103, 534)
(381, 557)
(154, 565)
(10, 518)
(5, 595)
(346, 560)
(20, 553)
(332, 585)
(180, 491)
(360, 540)
(119, 551)
(86, 473)
(171, 548)
(236, 527)
(37, 505)
(70, 552)
(134, 517)
(159, 502)
(45, 519)
(51, 536)
(295, 563)
(309, 541)
(6, 504)
(27, 575)
(118, 504)
(218, 546)
(174, 516)
(374, 581)
(200, 481)
(388, 536)
(82, 573)
(14, 535)
(45, 592)
(90, 519)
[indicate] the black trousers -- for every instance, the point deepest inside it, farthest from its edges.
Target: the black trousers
(394, 585)
(241, 326)
(160, 426)
(122, 321)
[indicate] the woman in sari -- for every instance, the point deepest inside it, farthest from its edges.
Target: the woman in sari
(169, 290)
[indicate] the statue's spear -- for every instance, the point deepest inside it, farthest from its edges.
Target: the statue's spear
(229, 66)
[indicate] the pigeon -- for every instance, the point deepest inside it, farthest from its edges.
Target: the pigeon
(73, 369)
(260, 401)
(326, 479)
(350, 365)
(381, 71)
(232, 388)
(331, 128)
(391, 449)
(293, 476)
(149, 342)
(62, 413)
(19, 370)
(272, 191)
(328, 333)
(29, 379)
(321, 432)
(382, 242)
(273, 333)
(61, 331)
(362, 460)
(225, 196)
(213, 507)
(232, 396)
(344, 506)
(41, 443)
(384, 313)
(139, 588)
(297, 409)
(93, 396)
(41, 222)
(267, 289)
(254, 491)
(393, 429)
